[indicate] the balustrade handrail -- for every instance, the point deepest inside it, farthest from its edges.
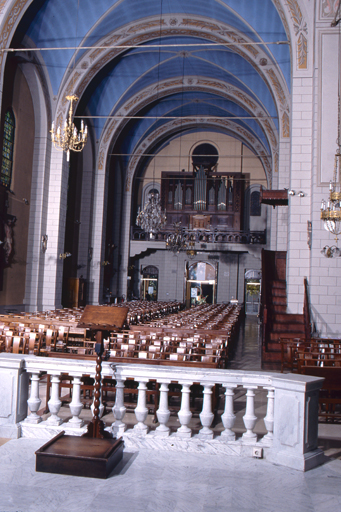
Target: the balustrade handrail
(216, 235)
(58, 366)
(290, 421)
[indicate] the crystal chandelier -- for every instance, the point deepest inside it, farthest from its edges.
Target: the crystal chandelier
(69, 138)
(151, 219)
(177, 241)
(331, 210)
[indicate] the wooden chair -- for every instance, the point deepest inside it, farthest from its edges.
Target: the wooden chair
(33, 344)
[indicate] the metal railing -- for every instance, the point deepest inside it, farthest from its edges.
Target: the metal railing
(199, 236)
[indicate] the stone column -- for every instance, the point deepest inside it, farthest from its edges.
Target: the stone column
(269, 418)
(141, 410)
(185, 414)
(76, 405)
(119, 410)
(228, 418)
(54, 403)
(14, 394)
(206, 416)
(249, 417)
(34, 401)
(295, 431)
(163, 412)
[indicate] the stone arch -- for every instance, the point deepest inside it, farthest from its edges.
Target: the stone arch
(92, 61)
(174, 126)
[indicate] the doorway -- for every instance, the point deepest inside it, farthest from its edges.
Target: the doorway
(201, 283)
(252, 280)
(149, 288)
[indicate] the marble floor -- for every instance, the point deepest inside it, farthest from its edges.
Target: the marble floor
(171, 481)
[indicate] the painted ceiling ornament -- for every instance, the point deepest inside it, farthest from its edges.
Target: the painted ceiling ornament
(301, 30)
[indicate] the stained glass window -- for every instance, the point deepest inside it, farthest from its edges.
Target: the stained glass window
(7, 149)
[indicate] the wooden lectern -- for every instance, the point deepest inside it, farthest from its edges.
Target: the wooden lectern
(96, 453)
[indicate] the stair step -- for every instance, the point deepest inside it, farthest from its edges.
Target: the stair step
(279, 284)
(273, 347)
(288, 318)
(278, 292)
(275, 336)
(276, 308)
(273, 357)
(278, 301)
(287, 327)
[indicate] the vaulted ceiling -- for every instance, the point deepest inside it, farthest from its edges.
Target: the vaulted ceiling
(158, 60)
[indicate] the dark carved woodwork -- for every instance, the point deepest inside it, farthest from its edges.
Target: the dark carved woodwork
(211, 217)
(79, 456)
(274, 197)
(100, 319)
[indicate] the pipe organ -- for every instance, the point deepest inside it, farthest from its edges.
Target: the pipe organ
(204, 200)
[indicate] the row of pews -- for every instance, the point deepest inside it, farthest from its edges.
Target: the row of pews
(202, 335)
(319, 357)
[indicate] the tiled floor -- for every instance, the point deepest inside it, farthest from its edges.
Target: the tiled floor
(171, 481)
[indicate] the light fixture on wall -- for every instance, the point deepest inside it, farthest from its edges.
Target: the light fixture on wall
(151, 219)
(331, 252)
(44, 239)
(64, 255)
(331, 210)
(69, 138)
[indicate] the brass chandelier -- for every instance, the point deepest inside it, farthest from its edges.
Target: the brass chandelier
(69, 138)
(177, 241)
(331, 210)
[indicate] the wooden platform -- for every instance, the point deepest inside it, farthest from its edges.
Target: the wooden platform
(79, 456)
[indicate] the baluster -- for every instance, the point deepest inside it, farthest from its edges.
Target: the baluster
(118, 427)
(34, 400)
(269, 418)
(163, 413)
(54, 403)
(185, 414)
(249, 418)
(228, 418)
(206, 416)
(141, 411)
(76, 405)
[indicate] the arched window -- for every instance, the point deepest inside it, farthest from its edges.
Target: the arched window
(255, 206)
(7, 149)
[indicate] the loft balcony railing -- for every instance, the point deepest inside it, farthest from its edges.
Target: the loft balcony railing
(199, 236)
(291, 417)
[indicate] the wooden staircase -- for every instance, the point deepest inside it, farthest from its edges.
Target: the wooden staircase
(276, 322)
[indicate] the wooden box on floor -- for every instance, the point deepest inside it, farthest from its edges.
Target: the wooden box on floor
(79, 456)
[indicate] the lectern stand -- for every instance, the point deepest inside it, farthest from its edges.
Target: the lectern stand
(96, 453)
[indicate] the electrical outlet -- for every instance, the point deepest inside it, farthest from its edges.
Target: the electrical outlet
(257, 452)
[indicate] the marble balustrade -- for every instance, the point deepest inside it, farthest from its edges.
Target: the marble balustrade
(291, 418)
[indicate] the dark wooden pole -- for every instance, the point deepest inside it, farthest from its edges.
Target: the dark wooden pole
(96, 426)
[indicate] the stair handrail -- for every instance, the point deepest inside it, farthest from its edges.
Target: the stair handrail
(307, 312)
(264, 299)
